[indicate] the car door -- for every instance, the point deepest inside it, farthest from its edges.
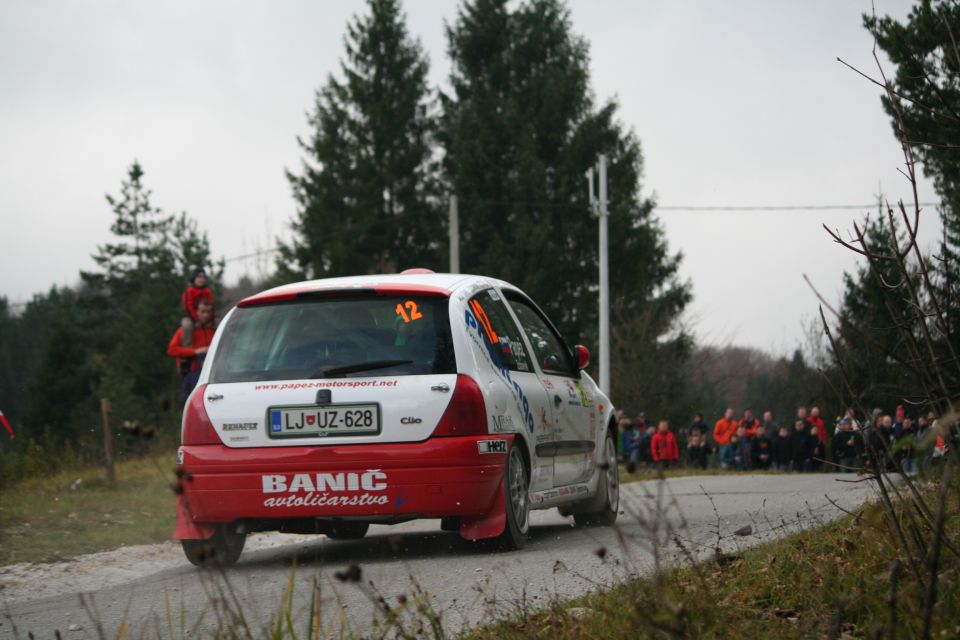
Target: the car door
(574, 442)
(520, 402)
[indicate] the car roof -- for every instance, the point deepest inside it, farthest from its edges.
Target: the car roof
(418, 281)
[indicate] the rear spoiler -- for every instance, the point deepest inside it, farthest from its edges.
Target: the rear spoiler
(293, 293)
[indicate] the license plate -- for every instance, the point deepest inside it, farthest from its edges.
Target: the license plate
(330, 420)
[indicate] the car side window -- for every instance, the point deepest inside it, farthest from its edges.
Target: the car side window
(496, 324)
(548, 348)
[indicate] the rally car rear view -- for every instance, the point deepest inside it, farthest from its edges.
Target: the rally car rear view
(331, 405)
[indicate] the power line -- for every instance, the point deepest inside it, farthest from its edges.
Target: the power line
(781, 207)
(690, 208)
(255, 254)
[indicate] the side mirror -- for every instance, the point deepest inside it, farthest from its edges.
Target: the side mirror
(583, 356)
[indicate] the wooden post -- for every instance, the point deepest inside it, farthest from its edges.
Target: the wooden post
(107, 440)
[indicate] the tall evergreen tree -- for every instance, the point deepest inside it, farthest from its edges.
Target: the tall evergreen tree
(366, 190)
(925, 111)
(520, 129)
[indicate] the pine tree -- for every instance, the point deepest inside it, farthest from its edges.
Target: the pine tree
(366, 191)
(520, 129)
(925, 111)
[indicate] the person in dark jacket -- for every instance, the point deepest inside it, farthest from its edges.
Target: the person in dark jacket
(877, 435)
(644, 452)
(845, 446)
(905, 445)
(699, 426)
(626, 439)
(697, 451)
(762, 449)
(800, 446)
(782, 450)
(817, 450)
(730, 453)
(743, 455)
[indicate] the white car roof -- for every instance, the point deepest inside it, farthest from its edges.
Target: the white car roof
(417, 279)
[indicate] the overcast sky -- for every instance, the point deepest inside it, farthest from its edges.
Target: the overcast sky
(735, 103)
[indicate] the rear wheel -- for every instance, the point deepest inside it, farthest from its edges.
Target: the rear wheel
(348, 530)
(222, 550)
(517, 505)
(601, 510)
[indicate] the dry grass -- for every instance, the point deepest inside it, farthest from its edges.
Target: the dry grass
(828, 582)
(76, 512)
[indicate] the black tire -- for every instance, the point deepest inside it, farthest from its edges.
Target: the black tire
(220, 551)
(517, 503)
(348, 530)
(601, 510)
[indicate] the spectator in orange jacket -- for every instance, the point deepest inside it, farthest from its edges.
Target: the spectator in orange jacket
(816, 421)
(663, 446)
(196, 291)
(724, 428)
(190, 358)
(749, 424)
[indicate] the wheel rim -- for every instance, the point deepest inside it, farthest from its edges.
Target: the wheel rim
(613, 477)
(518, 490)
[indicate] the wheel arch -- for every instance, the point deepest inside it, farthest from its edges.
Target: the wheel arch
(520, 441)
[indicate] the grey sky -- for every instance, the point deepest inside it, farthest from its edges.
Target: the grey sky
(739, 103)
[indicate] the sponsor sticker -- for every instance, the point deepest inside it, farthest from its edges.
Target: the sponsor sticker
(325, 489)
(477, 333)
(240, 426)
(502, 423)
(491, 446)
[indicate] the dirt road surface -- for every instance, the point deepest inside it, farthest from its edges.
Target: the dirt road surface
(153, 587)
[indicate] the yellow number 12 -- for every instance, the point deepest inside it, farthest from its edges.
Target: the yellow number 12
(412, 306)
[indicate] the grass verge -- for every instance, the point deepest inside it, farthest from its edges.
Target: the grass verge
(76, 512)
(833, 581)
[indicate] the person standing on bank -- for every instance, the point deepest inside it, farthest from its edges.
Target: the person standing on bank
(190, 357)
(196, 291)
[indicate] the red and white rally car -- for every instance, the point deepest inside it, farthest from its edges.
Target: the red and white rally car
(330, 405)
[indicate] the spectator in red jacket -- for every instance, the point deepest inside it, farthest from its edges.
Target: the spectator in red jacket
(816, 421)
(190, 357)
(749, 424)
(196, 291)
(663, 446)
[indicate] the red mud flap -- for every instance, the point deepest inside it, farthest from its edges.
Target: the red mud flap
(489, 525)
(185, 528)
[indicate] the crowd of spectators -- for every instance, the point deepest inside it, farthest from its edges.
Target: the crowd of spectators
(805, 444)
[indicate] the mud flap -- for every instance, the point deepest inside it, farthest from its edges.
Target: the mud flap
(185, 528)
(492, 523)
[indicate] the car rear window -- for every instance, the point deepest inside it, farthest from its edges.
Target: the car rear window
(337, 337)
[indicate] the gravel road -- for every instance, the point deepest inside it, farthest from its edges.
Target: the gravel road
(465, 583)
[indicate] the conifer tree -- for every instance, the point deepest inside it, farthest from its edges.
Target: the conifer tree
(366, 189)
(925, 112)
(520, 129)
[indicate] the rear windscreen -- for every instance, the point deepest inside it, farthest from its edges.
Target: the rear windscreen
(336, 338)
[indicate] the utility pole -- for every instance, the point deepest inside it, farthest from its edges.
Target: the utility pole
(599, 206)
(454, 236)
(604, 282)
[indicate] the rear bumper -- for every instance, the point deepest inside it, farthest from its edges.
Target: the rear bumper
(430, 479)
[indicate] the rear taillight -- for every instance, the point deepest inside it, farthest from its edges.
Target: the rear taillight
(466, 415)
(197, 428)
